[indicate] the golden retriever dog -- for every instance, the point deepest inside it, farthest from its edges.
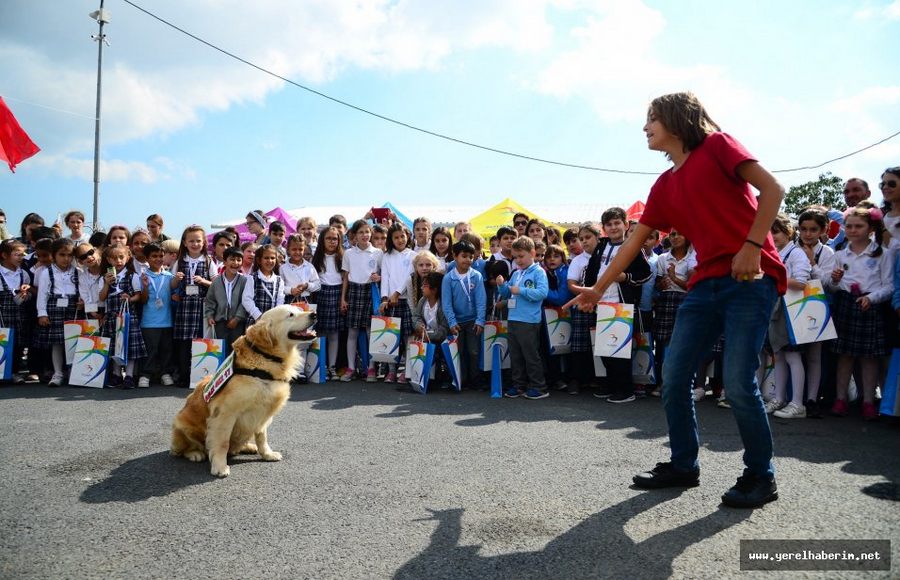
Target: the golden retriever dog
(236, 418)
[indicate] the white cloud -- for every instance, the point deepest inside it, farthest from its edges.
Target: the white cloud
(160, 169)
(868, 12)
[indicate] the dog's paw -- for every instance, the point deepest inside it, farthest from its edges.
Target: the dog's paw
(220, 472)
(272, 456)
(195, 456)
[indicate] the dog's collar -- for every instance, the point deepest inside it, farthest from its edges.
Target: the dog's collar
(255, 349)
(259, 374)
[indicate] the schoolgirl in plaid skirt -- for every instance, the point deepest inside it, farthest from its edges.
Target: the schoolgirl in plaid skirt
(862, 280)
(49, 305)
(119, 286)
(326, 260)
(396, 265)
(360, 267)
(192, 276)
(57, 302)
(265, 289)
(13, 279)
(582, 322)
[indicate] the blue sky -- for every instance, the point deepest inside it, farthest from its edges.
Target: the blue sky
(198, 137)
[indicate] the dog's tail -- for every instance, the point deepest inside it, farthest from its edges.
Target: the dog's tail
(180, 442)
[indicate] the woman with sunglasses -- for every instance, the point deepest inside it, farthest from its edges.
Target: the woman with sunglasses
(890, 193)
(90, 279)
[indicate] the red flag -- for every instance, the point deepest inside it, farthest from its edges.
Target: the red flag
(15, 145)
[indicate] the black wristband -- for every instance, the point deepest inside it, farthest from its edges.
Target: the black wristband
(749, 241)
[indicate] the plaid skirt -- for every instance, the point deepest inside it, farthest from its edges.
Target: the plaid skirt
(664, 311)
(328, 309)
(45, 336)
(402, 312)
(136, 348)
(359, 296)
(582, 323)
(188, 323)
(10, 312)
(860, 333)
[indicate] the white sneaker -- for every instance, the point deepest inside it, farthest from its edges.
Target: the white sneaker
(699, 393)
(791, 411)
(144, 382)
(167, 380)
(56, 380)
(723, 403)
(773, 405)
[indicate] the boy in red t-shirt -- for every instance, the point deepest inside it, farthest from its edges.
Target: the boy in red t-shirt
(706, 196)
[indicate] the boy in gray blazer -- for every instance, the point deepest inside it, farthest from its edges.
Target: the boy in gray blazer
(222, 308)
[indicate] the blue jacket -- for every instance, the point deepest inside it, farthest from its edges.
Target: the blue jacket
(562, 294)
(895, 302)
(461, 306)
(533, 288)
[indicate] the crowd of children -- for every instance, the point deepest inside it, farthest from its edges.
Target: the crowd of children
(439, 283)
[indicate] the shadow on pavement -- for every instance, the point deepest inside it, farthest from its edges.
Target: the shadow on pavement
(139, 479)
(41, 391)
(827, 440)
(598, 547)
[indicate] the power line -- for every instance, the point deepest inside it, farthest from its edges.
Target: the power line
(448, 137)
(33, 104)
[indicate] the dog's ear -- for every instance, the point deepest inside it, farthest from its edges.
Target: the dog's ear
(260, 334)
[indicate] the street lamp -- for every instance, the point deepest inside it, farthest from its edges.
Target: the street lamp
(102, 17)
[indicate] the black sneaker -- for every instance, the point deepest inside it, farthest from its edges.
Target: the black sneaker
(751, 491)
(812, 410)
(665, 475)
(604, 392)
(620, 398)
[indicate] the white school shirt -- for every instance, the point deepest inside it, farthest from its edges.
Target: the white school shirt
(429, 313)
(395, 270)
(577, 268)
(63, 283)
(416, 249)
(612, 294)
(89, 286)
(796, 262)
(331, 276)
(116, 288)
(304, 273)
(36, 274)
(824, 262)
(138, 266)
(875, 275)
(682, 267)
(14, 278)
(361, 264)
(247, 298)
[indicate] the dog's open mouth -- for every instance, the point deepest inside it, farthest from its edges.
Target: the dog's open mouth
(302, 335)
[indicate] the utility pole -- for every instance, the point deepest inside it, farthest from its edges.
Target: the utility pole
(102, 17)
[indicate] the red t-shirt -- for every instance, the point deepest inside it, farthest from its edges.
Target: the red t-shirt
(714, 208)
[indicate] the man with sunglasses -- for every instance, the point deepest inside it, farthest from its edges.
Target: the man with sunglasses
(520, 222)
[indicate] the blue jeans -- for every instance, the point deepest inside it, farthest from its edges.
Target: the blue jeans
(742, 311)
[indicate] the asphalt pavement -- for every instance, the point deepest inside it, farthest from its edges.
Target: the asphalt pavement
(376, 483)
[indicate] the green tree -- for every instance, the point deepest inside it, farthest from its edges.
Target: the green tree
(828, 190)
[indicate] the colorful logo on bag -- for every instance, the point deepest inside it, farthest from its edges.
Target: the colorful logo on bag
(418, 357)
(620, 316)
(313, 361)
(500, 334)
(212, 350)
(387, 337)
(811, 296)
(4, 345)
(563, 317)
(96, 347)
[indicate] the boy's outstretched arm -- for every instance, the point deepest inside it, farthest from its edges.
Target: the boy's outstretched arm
(588, 297)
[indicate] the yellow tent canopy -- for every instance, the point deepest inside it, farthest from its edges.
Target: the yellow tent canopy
(489, 221)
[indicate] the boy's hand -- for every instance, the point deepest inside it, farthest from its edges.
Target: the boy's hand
(478, 329)
(514, 289)
(211, 322)
(499, 280)
(43, 321)
(454, 329)
(232, 324)
(745, 264)
(836, 275)
(586, 300)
